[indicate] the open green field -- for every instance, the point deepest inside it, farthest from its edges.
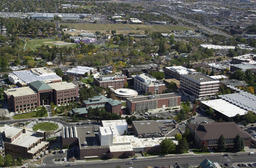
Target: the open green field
(45, 126)
(124, 28)
(32, 44)
(27, 115)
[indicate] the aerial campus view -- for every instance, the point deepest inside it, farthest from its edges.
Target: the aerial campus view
(128, 83)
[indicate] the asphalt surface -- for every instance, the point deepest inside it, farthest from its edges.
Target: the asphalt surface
(193, 160)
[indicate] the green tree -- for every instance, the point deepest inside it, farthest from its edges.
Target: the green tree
(221, 144)
(182, 146)
(158, 75)
(8, 160)
(59, 72)
(162, 47)
(178, 137)
(167, 146)
(240, 75)
(1, 161)
(18, 161)
(238, 144)
(171, 39)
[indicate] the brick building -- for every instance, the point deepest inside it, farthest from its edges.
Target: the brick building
(117, 81)
(111, 105)
(23, 143)
(39, 93)
(144, 103)
(144, 83)
(208, 134)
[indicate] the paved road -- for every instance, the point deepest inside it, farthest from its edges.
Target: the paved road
(197, 24)
(163, 161)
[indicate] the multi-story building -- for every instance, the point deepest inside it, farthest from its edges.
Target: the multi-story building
(177, 71)
(22, 143)
(116, 82)
(39, 93)
(207, 135)
(199, 85)
(146, 84)
(137, 69)
(144, 103)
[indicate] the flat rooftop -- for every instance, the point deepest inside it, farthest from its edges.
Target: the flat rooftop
(26, 139)
(111, 78)
(181, 70)
(200, 78)
(224, 107)
(10, 131)
(105, 130)
(80, 70)
(62, 86)
(121, 148)
(244, 67)
(86, 135)
(147, 127)
(109, 123)
(217, 47)
(137, 143)
(22, 91)
(234, 82)
(152, 97)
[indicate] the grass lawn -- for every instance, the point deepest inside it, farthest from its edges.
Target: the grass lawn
(124, 28)
(45, 126)
(32, 44)
(27, 115)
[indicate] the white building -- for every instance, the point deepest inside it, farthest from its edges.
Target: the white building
(217, 47)
(106, 136)
(146, 84)
(120, 126)
(135, 21)
(177, 71)
(111, 135)
(81, 70)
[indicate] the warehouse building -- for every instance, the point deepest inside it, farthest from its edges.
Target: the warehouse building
(224, 108)
(39, 93)
(145, 103)
(24, 77)
(144, 83)
(22, 142)
(244, 100)
(199, 85)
